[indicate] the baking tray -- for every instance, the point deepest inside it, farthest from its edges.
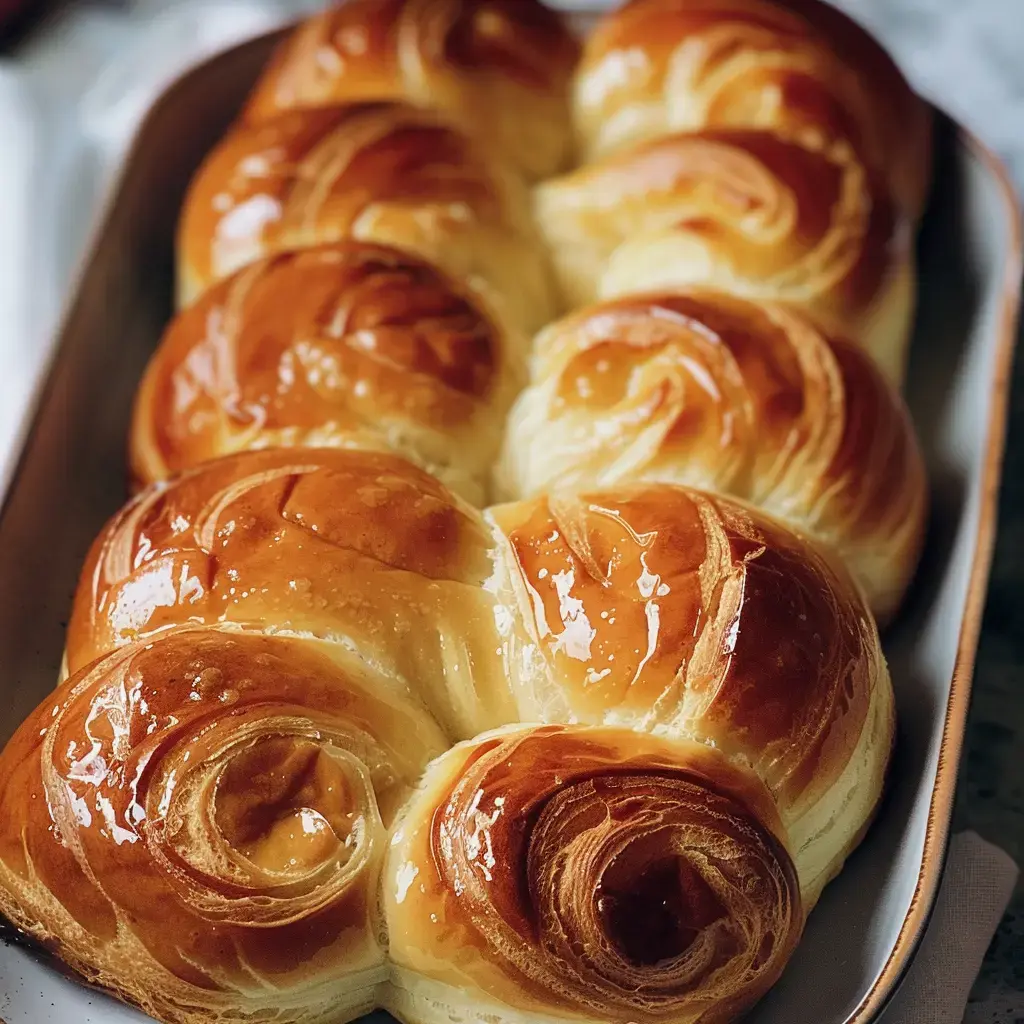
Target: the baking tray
(71, 476)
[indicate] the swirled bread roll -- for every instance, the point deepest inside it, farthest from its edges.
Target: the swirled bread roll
(347, 345)
(376, 172)
(666, 610)
(358, 548)
(800, 69)
(587, 874)
(500, 69)
(746, 213)
(734, 397)
(198, 824)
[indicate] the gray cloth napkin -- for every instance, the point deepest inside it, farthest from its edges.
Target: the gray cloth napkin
(976, 887)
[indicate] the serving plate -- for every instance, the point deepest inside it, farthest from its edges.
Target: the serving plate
(71, 476)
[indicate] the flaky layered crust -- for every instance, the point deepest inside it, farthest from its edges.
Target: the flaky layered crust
(801, 70)
(735, 397)
(376, 172)
(466, 58)
(346, 345)
(747, 213)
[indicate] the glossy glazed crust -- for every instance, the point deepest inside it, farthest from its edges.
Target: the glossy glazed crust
(345, 345)
(198, 824)
(746, 213)
(466, 58)
(666, 610)
(540, 873)
(359, 548)
(799, 69)
(377, 172)
(737, 398)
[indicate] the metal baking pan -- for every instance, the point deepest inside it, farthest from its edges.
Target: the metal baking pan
(71, 476)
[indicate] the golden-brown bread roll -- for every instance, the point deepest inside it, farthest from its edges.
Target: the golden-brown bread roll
(798, 68)
(500, 69)
(347, 345)
(587, 874)
(745, 213)
(669, 611)
(734, 397)
(198, 824)
(360, 548)
(276, 627)
(377, 172)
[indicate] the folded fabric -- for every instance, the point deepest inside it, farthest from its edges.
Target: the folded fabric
(976, 887)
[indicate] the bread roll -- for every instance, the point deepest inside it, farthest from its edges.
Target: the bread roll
(587, 874)
(500, 69)
(668, 611)
(734, 397)
(198, 824)
(347, 345)
(745, 213)
(384, 173)
(800, 69)
(359, 548)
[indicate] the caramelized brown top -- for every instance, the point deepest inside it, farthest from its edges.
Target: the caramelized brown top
(594, 871)
(455, 55)
(746, 213)
(307, 175)
(772, 211)
(349, 343)
(800, 69)
(735, 397)
(198, 817)
(212, 807)
(665, 608)
(385, 173)
(356, 547)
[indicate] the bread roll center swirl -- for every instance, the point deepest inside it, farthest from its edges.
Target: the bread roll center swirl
(289, 806)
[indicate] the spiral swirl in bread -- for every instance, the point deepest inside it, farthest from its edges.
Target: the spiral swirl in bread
(213, 810)
(747, 213)
(798, 69)
(466, 58)
(588, 872)
(348, 345)
(375, 172)
(666, 610)
(735, 397)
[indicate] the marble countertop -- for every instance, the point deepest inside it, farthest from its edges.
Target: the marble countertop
(968, 56)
